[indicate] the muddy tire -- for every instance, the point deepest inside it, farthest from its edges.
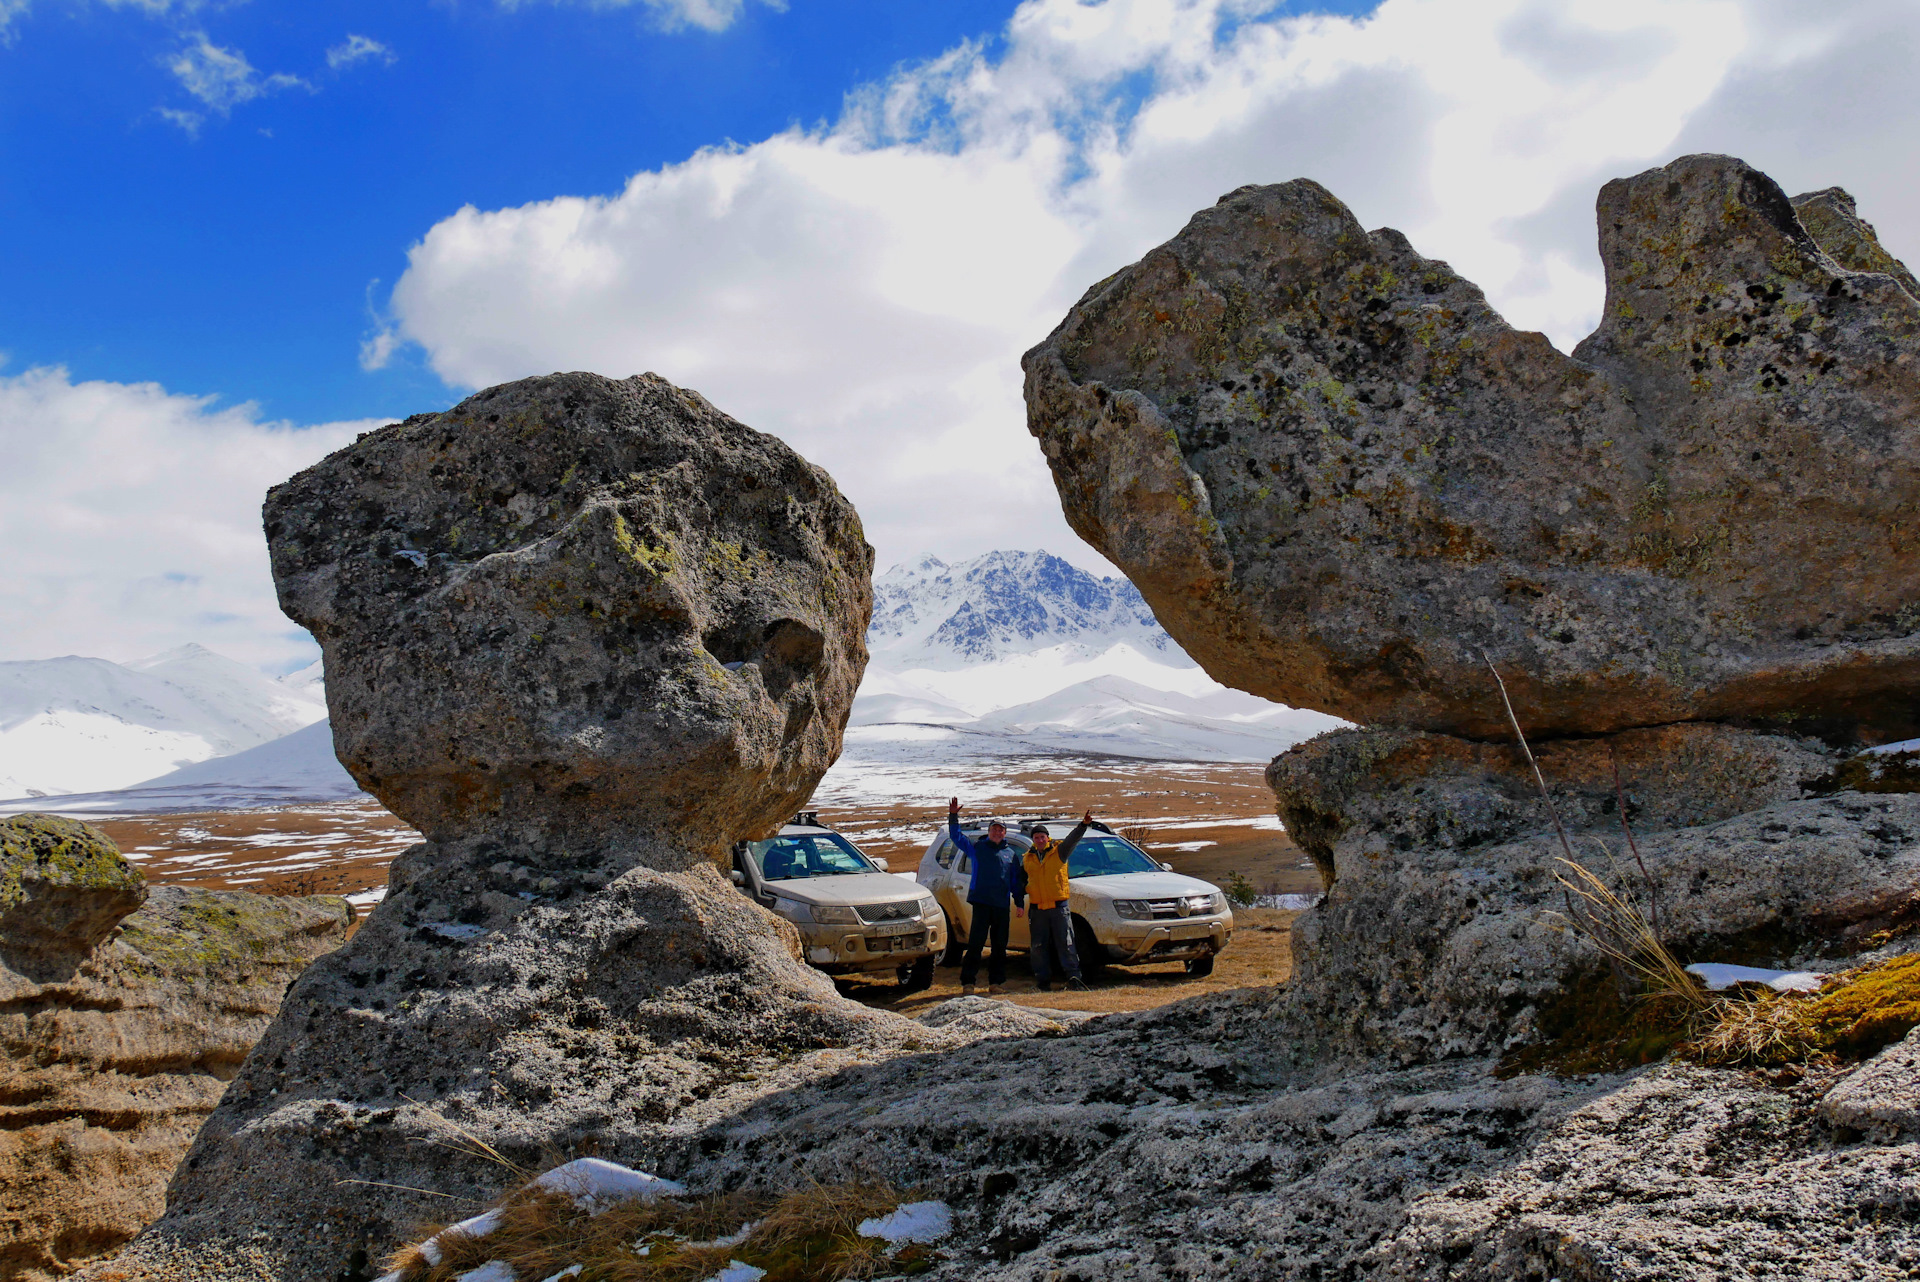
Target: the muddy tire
(917, 977)
(1200, 967)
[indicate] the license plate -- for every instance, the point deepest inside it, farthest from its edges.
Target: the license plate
(895, 928)
(1190, 932)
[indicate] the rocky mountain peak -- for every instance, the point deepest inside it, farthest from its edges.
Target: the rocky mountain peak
(931, 614)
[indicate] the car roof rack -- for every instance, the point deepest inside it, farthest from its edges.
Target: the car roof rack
(808, 819)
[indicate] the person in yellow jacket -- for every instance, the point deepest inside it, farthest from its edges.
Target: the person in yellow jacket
(1049, 914)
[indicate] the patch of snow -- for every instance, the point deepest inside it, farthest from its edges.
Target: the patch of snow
(738, 1271)
(1291, 903)
(921, 1222)
(491, 1271)
(734, 1238)
(454, 930)
(1717, 976)
(596, 1184)
(368, 898)
(473, 1226)
(1905, 745)
(571, 1271)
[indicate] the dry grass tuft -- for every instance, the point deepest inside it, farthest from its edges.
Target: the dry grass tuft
(1627, 938)
(1862, 1011)
(808, 1235)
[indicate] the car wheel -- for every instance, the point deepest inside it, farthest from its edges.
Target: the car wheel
(1200, 967)
(1093, 955)
(918, 977)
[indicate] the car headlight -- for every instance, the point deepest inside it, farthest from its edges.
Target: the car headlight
(1133, 909)
(1200, 903)
(1217, 903)
(835, 915)
(929, 906)
(791, 909)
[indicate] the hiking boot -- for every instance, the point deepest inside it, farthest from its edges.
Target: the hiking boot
(996, 990)
(1045, 985)
(966, 990)
(1077, 984)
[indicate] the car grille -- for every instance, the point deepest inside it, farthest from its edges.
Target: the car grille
(1164, 908)
(900, 910)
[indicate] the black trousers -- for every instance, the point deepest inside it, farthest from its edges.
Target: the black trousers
(987, 922)
(1052, 932)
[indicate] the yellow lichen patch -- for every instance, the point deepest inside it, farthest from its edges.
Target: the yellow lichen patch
(650, 550)
(1874, 1008)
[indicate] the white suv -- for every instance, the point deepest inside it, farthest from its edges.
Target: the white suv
(854, 916)
(1127, 909)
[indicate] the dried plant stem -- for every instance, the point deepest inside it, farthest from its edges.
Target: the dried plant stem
(1538, 779)
(1653, 891)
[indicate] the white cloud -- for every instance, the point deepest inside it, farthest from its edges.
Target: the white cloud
(221, 79)
(359, 49)
(9, 10)
(865, 291)
(131, 519)
(673, 15)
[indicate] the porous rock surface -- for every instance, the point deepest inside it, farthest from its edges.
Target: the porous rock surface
(1210, 1139)
(575, 603)
(585, 633)
(1444, 929)
(1342, 480)
(124, 1013)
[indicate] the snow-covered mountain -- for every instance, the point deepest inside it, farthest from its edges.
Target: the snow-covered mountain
(87, 725)
(928, 614)
(1028, 652)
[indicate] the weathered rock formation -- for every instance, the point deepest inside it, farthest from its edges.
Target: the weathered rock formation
(1341, 479)
(584, 633)
(124, 1013)
(572, 604)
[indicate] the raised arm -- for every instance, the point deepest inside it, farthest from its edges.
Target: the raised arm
(953, 829)
(1073, 838)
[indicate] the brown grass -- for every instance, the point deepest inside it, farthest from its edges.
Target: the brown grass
(1861, 1011)
(808, 1235)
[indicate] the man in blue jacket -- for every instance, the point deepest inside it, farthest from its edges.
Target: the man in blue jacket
(997, 890)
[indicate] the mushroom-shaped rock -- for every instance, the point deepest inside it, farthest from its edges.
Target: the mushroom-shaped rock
(585, 633)
(1342, 480)
(579, 604)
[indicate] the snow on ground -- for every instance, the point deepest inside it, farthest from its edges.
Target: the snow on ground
(921, 1222)
(299, 768)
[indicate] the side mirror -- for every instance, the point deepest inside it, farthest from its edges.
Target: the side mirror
(881, 864)
(1166, 867)
(739, 878)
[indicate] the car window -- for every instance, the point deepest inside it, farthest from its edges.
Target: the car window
(1101, 856)
(944, 856)
(811, 854)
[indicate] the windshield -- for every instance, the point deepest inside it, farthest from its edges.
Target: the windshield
(809, 854)
(1095, 855)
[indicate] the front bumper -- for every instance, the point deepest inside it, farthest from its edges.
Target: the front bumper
(1144, 942)
(846, 950)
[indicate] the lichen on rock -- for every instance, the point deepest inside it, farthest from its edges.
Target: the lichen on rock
(1343, 481)
(121, 1023)
(576, 604)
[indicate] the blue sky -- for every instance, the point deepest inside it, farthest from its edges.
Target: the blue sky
(237, 259)
(233, 233)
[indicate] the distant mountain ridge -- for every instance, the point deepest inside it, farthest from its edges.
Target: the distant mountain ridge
(928, 614)
(78, 724)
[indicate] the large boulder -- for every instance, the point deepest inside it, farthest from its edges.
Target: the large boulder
(585, 633)
(1344, 482)
(119, 1036)
(578, 604)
